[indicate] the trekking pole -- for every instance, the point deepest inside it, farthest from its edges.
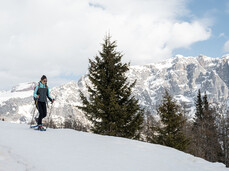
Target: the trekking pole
(50, 114)
(34, 112)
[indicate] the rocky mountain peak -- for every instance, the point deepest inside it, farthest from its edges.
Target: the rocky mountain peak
(24, 87)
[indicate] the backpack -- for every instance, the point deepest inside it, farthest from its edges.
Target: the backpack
(37, 90)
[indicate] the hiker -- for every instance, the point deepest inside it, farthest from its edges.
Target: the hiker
(41, 93)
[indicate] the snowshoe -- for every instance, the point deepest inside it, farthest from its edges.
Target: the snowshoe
(40, 128)
(33, 126)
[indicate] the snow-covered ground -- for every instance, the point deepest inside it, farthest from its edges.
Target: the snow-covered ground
(23, 149)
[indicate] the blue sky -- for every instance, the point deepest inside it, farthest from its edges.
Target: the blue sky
(217, 11)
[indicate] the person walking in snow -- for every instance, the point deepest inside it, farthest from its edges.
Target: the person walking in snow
(41, 93)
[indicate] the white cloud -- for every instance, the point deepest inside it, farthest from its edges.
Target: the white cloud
(181, 37)
(226, 46)
(56, 37)
(221, 35)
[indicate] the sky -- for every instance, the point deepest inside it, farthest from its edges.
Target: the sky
(58, 37)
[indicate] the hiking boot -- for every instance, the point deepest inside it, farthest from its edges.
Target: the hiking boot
(41, 128)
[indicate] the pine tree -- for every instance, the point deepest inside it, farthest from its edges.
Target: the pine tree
(199, 110)
(170, 133)
(224, 138)
(111, 107)
(198, 137)
(205, 133)
(150, 127)
(187, 128)
(211, 144)
(205, 102)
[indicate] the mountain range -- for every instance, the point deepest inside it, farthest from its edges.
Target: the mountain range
(181, 76)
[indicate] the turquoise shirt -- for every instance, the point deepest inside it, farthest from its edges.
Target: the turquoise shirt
(41, 86)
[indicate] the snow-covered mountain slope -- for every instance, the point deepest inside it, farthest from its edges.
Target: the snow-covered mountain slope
(22, 90)
(22, 148)
(15, 104)
(182, 76)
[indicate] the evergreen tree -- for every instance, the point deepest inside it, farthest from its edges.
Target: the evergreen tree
(211, 144)
(205, 134)
(187, 128)
(150, 127)
(224, 138)
(198, 137)
(111, 107)
(170, 133)
(199, 110)
(205, 102)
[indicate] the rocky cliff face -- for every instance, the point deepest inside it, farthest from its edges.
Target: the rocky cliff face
(182, 76)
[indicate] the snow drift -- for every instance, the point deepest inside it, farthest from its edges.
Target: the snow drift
(23, 149)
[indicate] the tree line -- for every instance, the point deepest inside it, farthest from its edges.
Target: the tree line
(206, 135)
(113, 110)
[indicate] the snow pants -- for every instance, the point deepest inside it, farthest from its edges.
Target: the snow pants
(41, 106)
